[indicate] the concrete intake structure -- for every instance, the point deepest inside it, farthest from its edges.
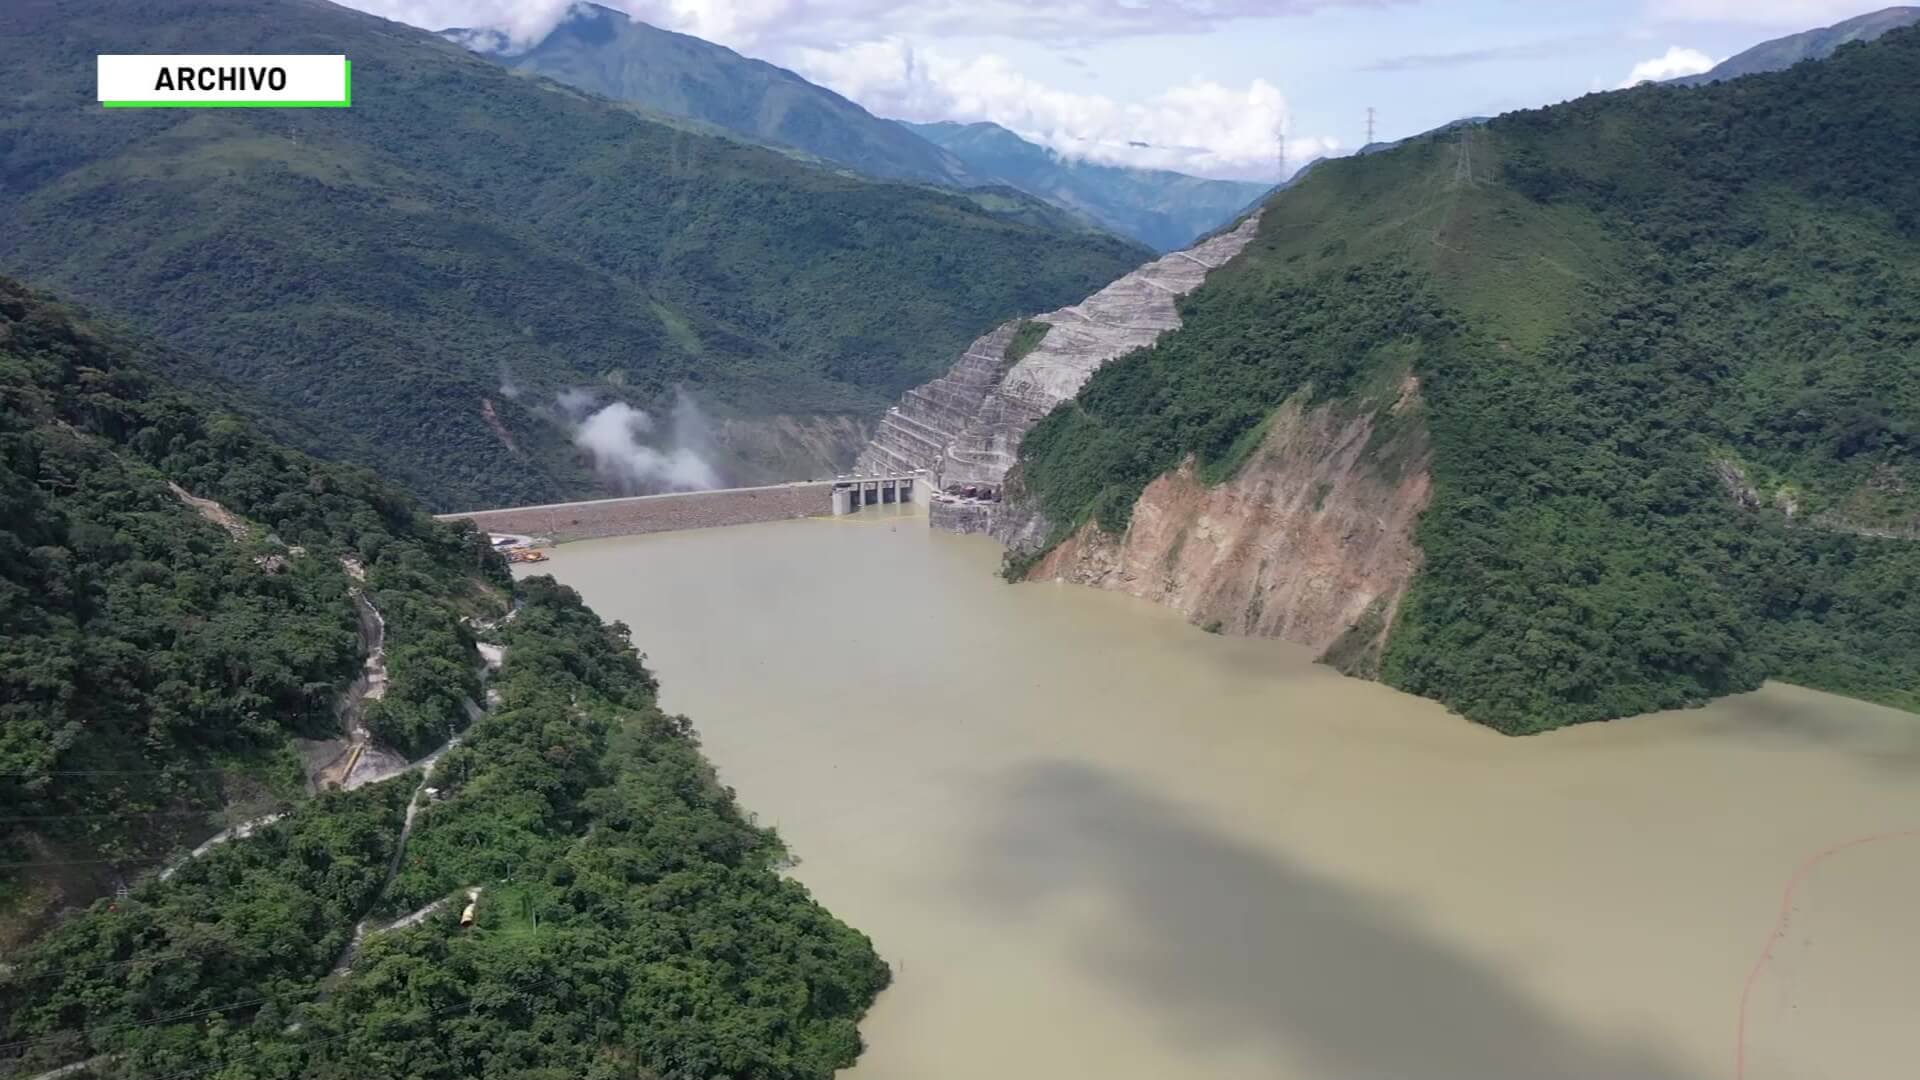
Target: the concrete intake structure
(965, 427)
(851, 493)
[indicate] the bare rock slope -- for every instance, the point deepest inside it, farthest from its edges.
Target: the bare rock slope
(1310, 542)
(966, 425)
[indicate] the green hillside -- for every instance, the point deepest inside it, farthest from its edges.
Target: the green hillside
(1162, 209)
(155, 666)
(373, 275)
(1671, 372)
(152, 663)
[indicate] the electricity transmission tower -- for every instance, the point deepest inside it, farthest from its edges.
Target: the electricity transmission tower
(1280, 136)
(1369, 141)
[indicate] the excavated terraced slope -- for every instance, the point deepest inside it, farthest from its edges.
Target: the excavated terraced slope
(966, 426)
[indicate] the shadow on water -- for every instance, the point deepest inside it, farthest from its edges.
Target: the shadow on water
(1796, 718)
(1237, 946)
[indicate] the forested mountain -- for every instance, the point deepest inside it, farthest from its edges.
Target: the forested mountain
(409, 282)
(1782, 53)
(603, 51)
(154, 659)
(177, 602)
(1658, 351)
(1162, 209)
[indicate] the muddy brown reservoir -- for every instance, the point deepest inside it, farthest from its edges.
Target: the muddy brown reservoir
(1097, 842)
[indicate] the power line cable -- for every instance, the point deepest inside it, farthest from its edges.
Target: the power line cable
(118, 816)
(110, 772)
(139, 859)
(462, 1006)
(96, 967)
(129, 1025)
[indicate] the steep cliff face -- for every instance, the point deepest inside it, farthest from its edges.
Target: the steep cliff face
(1310, 542)
(966, 425)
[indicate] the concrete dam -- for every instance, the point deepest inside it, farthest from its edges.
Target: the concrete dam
(673, 511)
(965, 427)
(948, 443)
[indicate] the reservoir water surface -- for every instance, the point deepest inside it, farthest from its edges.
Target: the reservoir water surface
(1094, 841)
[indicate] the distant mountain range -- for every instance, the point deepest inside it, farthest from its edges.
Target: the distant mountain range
(606, 52)
(603, 51)
(1163, 209)
(409, 283)
(1782, 53)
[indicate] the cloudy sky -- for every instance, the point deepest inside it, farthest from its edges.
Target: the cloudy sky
(1198, 85)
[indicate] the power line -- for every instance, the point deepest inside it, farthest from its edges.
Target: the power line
(136, 859)
(255, 1047)
(111, 772)
(64, 1032)
(127, 814)
(17, 975)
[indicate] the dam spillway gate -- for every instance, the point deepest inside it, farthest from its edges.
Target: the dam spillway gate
(852, 493)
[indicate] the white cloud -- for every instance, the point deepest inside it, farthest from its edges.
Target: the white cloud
(523, 21)
(825, 23)
(1200, 127)
(865, 50)
(1672, 65)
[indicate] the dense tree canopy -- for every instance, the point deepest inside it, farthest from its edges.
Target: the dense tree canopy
(631, 921)
(153, 663)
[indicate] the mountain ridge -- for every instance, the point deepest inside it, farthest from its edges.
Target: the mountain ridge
(1164, 209)
(1784, 52)
(609, 52)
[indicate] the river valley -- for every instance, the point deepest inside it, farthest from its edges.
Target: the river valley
(1095, 841)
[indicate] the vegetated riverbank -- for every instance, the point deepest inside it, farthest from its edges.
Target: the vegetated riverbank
(180, 608)
(1669, 402)
(1133, 850)
(183, 599)
(633, 917)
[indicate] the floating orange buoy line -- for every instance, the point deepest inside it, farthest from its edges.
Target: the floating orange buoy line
(1780, 928)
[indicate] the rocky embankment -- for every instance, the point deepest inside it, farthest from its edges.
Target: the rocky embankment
(1310, 542)
(966, 425)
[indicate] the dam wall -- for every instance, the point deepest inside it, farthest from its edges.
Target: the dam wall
(559, 522)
